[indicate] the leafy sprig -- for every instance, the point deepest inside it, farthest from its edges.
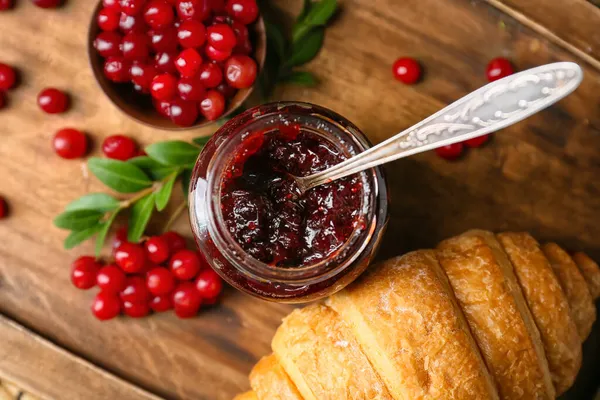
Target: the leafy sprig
(152, 179)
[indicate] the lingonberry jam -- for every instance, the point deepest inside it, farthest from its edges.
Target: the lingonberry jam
(254, 226)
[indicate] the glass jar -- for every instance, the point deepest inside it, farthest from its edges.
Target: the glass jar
(226, 256)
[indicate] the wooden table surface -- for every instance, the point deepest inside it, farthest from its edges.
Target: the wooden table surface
(540, 175)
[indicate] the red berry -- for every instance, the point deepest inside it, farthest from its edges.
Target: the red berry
(120, 237)
(106, 306)
(8, 77)
(188, 62)
(112, 5)
(108, 44)
(111, 279)
(116, 69)
(185, 264)
(70, 143)
(213, 105)
(226, 90)
(191, 89)
(160, 281)
(241, 32)
(108, 19)
(5, 4)
(53, 101)
(84, 271)
(407, 70)
(157, 249)
(164, 87)
(158, 14)
(498, 68)
(186, 300)
(240, 71)
(478, 141)
(164, 39)
(191, 33)
(210, 302)
(47, 3)
(163, 107)
(130, 257)
(217, 6)
(450, 152)
(208, 284)
(161, 303)
(130, 23)
(119, 147)
(244, 48)
(136, 310)
(244, 11)
(135, 46)
(142, 74)
(165, 62)
(175, 240)
(135, 290)
(210, 75)
(132, 7)
(2, 100)
(3, 208)
(193, 9)
(221, 37)
(215, 54)
(183, 113)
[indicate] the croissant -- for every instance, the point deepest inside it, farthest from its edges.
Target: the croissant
(482, 316)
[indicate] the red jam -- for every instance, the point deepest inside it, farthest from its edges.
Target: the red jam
(264, 211)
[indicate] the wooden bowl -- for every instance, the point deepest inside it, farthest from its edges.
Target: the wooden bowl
(139, 106)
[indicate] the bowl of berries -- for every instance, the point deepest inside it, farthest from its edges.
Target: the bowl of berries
(177, 64)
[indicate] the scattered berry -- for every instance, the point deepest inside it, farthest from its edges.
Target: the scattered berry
(3, 208)
(188, 62)
(84, 271)
(183, 113)
(160, 281)
(240, 71)
(184, 264)
(407, 70)
(117, 68)
(8, 77)
(175, 240)
(213, 105)
(164, 87)
(450, 152)
(244, 11)
(130, 257)
(6, 4)
(191, 33)
(135, 290)
(157, 249)
(53, 101)
(158, 14)
(136, 310)
(111, 279)
(47, 3)
(161, 303)
(186, 300)
(108, 19)
(70, 143)
(119, 147)
(498, 68)
(106, 306)
(478, 141)
(208, 284)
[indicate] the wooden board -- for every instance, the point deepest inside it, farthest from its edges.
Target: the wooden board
(540, 175)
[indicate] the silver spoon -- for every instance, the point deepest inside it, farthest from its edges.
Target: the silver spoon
(488, 109)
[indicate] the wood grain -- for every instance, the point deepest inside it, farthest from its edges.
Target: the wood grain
(540, 175)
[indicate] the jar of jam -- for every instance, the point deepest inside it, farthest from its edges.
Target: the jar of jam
(254, 226)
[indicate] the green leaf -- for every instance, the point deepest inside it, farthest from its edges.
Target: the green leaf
(201, 141)
(303, 78)
(95, 201)
(186, 178)
(104, 231)
(164, 194)
(175, 153)
(76, 237)
(305, 8)
(119, 175)
(318, 15)
(140, 215)
(307, 47)
(276, 40)
(153, 168)
(78, 219)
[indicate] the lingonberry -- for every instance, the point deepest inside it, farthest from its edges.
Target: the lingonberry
(407, 70)
(184, 264)
(188, 62)
(108, 44)
(47, 3)
(53, 101)
(112, 4)
(244, 11)
(240, 71)
(3, 208)
(130, 257)
(142, 74)
(5, 4)
(130, 23)
(498, 68)
(241, 32)
(218, 6)
(8, 77)
(135, 290)
(208, 284)
(210, 75)
(117, 68)
(244, 48)
(135, 46)
(158, 14)
(2, 100)
(478, 141)
(226, 90)
(161, 303)
(193, 9)
(165, 62)
(157, 249)
(160, 281)
(183, 113)
(70, 143)
(136, 310)
(191, 33)
(175, 240)
(111, 279)
(221, 37)
(191, 89)
(108, 19)
(215, 54)
(84, 271)
(106, 306)
(132, 7)
(210, 302)
(213, 105)
(119, 147)
(163, 107)
(120, 237)
(164, 39)
(163, 87)
(450, 152)
(186, 300)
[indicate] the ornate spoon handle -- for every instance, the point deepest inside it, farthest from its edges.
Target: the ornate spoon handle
(490, 108)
